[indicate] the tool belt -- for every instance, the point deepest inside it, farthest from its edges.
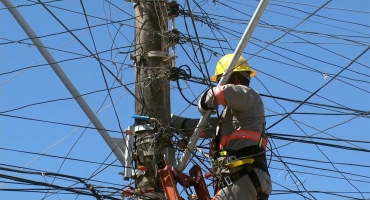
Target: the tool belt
(243, 152)
(238, 158)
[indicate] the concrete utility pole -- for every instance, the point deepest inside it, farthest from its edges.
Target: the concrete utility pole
(153, 142)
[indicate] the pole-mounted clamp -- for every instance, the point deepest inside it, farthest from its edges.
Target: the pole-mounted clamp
(149, 54)
(160, 54)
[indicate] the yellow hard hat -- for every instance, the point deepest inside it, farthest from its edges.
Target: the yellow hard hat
(241, 66)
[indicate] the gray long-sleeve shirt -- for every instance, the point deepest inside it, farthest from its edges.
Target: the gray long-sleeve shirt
(244, 110)
(240, 125)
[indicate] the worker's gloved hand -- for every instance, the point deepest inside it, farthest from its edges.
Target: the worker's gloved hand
(202, 106)
(177, 122)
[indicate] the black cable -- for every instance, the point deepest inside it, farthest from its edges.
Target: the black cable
(320, 143)
(362, 53)
(316, 144)
(321, 16)
(306, 104)
(324, 192)
(288, 49)
(101, 67)
(359, 112)
(200, 49)
(94, 192)
(59, 123)
(332, 8)
(313, 137)
(106, 68)
(179, 73)
(37, 170)
(321, 161)
(60, 99)
(63, 32)
(325, 175)
(290, 171)
(55, 156)
(82, 56)
(292, 192)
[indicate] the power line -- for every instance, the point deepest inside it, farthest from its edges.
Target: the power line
(362, 53)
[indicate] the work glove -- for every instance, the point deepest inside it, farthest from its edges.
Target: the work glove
(202, 106)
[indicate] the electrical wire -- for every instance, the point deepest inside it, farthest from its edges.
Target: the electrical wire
(222, 29)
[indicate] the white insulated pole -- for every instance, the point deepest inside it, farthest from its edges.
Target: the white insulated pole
(181, 163)
(69, 85)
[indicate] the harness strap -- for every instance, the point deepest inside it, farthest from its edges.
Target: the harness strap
(256, 182)
(244, 134)
(240, 153)
(248, 170)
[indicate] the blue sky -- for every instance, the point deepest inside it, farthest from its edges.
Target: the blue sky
(297, 49)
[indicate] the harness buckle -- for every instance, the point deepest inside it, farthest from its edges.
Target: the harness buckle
(231, 159)
(215, 163)
(228, 180)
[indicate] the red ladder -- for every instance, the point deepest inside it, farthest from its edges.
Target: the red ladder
(195, 179)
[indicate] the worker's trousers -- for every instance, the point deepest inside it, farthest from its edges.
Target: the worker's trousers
(243, 188)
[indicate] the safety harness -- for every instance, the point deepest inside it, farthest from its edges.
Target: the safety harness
(237, 159)
(248, 170)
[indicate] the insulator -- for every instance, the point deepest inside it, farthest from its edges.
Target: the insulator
(173, 37)
(174, 74)
(173, 9)
(141, 168)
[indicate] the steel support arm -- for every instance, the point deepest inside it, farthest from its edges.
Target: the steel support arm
(63, 77)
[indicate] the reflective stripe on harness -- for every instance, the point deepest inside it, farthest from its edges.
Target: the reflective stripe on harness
(244, 134)
(240, 162)
(233, 161)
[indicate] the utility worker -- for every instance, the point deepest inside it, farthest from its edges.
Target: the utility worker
(239, 139)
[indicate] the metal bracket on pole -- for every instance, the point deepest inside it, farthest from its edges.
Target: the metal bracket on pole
(181, 163)
(132, 173)
(144, 127)
(157, 54)
(144, 140)
(127, 146)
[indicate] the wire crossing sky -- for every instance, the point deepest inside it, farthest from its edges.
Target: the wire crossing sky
(313, 73)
